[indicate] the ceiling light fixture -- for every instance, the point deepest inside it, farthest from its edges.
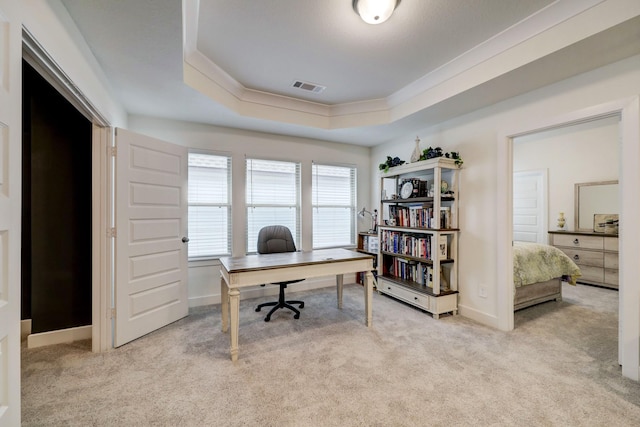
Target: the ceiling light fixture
(375, 11)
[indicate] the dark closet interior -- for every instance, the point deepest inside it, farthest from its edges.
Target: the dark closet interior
(56, 208)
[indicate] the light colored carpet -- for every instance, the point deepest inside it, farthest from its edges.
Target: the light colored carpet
(558, 367)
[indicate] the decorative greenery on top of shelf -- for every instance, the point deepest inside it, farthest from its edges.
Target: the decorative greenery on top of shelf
(432, 153)
(391, 162)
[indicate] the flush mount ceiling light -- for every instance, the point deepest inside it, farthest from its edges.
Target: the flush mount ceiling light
(375, 11)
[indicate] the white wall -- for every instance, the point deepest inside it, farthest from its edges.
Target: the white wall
(53, 28)
(475, 136)
(584, 152)
(50, 24)
(204, 277)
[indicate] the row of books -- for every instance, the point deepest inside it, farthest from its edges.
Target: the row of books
(418, 272)
(370, 244)
(419, 216)
(418, 246)
(415, 245)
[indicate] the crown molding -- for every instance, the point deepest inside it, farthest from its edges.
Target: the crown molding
(557, 26)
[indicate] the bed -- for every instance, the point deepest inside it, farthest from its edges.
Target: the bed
(538, 273)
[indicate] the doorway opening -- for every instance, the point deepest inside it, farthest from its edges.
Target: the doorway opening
(629, 291)
(56, 255)
(568, 155)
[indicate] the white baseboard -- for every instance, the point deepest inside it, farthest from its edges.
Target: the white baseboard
(25, 328)
(478, 316)
(269, 290)
(59, 337)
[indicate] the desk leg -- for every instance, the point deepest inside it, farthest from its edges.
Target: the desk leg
(368, 296)
(224, 304)
(339, 282)
(234, 302)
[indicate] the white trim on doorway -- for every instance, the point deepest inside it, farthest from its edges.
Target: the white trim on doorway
(35, 54)
(102, 261)
(629, 308)
(102, 241)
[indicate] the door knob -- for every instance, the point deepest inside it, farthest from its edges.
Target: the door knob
(185, 240)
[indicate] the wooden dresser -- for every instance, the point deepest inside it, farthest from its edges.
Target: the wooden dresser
(595, 253)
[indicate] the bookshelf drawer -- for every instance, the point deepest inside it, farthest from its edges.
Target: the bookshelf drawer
(404, 294)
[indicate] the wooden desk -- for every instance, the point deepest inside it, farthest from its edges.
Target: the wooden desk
(250, 270)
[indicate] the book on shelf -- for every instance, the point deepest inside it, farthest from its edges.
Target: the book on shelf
(445, 217)
(428, 276)
(373, 244)
(415, 245)
(409, 270)
(420, 273)
(442, 246)
(414, 216)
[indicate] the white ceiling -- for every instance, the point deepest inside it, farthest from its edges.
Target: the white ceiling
(266, 45)
(245, 55)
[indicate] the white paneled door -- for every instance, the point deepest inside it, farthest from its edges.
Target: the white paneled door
(10, 185)
(530, 206)
(151, 231)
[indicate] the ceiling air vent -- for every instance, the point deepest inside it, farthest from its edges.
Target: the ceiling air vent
(309, 87)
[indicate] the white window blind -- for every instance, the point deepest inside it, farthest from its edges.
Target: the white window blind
(334, 206)
(273, 198)
(209, 205)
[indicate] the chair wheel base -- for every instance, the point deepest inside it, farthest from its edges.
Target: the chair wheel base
(281, 303)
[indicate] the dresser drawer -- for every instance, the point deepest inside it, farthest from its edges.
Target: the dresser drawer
(581, 257)
(611, 244)
(611, 260)
(591, 274)
(397, 291)
(578, 241)
(611, 277)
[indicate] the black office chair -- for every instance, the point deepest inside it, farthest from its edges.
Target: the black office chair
(274, 239)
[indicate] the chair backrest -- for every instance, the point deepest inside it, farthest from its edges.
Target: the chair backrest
(275, 238)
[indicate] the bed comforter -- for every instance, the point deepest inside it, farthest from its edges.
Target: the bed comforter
(534, 262)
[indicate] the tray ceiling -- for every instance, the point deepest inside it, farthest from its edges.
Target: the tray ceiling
(233, 63)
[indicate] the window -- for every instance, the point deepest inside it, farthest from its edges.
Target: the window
(273, 198)
(334, 206)
(209, 205)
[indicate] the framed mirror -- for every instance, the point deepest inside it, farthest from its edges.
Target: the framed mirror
(593, 198)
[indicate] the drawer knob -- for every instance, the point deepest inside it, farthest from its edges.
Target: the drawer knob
(576, 242)
(415, 298)
(576, 257)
